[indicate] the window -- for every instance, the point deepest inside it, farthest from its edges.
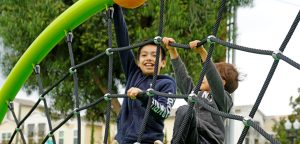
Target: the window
(75, 139)
(30, 131)
(247, 141)
(41, 129)
(61, 137)
(256, 141)
(5, 138)
(41, 132)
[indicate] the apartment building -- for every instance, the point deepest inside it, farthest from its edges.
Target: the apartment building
(35, 128)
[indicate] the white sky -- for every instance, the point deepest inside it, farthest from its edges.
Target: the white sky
(264, 26)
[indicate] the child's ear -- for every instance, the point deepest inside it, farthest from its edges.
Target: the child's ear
(137, 62)
(163, 63)
(224, 82)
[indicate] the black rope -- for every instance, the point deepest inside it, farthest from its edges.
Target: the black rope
(186, 46)
(277, 54)
(249, 122)
(148, 108)
(69, 41)
(169, 95)
(109, 16)
(37, 70)
(92, 104)
(75, 112)
(184, 123)
(11, 108)
(262, 132)
(241, 48)
(57, 127)
(88, 61)
(132, 46)
(269, 77)
(208, 59)
(289, 61)
(36, 104)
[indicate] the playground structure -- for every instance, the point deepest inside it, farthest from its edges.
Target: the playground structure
(80, 12)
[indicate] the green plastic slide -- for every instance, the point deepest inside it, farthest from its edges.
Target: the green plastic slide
(43, 44)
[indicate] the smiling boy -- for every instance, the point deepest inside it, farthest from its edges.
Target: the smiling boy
(139, 75)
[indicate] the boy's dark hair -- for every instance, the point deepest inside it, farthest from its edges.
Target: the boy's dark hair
(229, 73)
(163, 52)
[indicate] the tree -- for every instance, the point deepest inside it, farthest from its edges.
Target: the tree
(279, 129)
(22, 21)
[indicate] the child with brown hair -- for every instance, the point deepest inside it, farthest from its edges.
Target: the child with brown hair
(220, 81)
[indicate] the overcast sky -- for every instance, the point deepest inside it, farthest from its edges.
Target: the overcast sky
(265, 26)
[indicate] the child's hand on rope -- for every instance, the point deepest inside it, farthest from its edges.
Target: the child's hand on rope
(200, 50)
(133, 92)
(167, 42)
(172, 51)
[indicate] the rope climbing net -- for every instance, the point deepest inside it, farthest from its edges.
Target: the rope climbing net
(211, 39)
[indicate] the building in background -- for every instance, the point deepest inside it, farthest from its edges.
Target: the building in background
(253, 137)
(35, 128)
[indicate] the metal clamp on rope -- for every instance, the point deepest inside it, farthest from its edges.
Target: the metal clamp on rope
(37, 69)
(10, 105)
(75, 111)
(18, 129)
(110, 13)
(209, 39)
(246, 120)
(50, 134)
(149, 92)
(106, 97)
(157, 40)
(274, 54)
(41, 97)
(69, 37)
(72, 70)
(192, 97)
(108, 52)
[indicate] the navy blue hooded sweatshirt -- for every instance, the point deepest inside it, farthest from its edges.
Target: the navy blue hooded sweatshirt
(132, 111)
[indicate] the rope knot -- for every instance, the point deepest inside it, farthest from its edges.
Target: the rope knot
(107, 97)
(18, 129)
(275, 53)
(246, 120)
(41, 97)
(209, 39)
(157, 40)
(50, 134)
(75, 111)
(110, 13)
(72, 70)
(69, 37)
(37, 69)
(108, 52)
(192, 97)
(149, 92)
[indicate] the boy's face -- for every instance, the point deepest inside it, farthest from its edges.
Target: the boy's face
(204, 86)
(146, 60)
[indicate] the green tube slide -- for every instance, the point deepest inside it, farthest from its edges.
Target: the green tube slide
(43, 44)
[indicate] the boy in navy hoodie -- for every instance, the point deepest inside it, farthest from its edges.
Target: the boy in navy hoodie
(139, 76)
